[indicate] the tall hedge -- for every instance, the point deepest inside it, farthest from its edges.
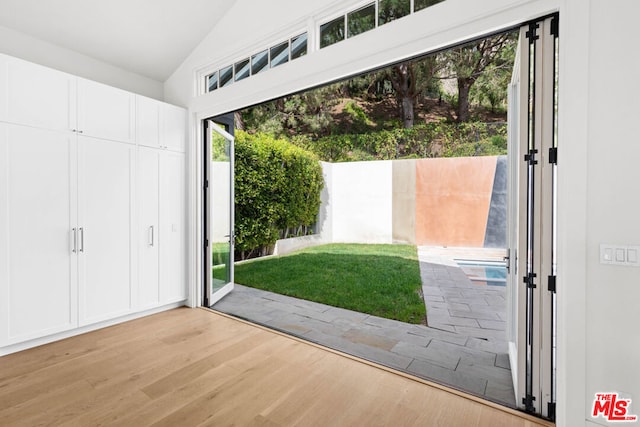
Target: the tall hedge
(277, 186)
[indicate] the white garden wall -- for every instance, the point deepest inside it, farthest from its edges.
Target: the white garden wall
(359, 202)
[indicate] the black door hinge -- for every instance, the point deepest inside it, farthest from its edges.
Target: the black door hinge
(552, 284)
(206, 243)
(528, 403)
(555, 26)
(532, 34)
(551, 410)
(553, 155)
(206, 184)
(531, 157)
(528, 279)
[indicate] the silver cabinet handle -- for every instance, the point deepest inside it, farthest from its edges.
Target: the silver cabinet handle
(81, 239)
(151, 236)
(74, 240)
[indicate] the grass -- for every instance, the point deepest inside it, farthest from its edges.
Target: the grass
(382, 280)
(220, 258)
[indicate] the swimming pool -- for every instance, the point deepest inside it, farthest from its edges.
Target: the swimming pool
(492, 273)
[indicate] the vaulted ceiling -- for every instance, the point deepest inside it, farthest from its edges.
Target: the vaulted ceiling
(147, 37)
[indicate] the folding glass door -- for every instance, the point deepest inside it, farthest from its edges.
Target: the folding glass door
(219, 210)
(532, 216)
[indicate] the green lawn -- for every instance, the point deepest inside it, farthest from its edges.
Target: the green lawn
(382, 280)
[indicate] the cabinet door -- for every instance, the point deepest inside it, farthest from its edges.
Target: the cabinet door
(37, 205)
(174, 134)
(148, 231)
(172, 227)
(105, 112)
(36, 96)
(148, 121)
(105, 171)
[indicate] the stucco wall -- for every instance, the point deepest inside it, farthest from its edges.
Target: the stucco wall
(404, 201)
(453, 196)
(435, 202)
(361, 202)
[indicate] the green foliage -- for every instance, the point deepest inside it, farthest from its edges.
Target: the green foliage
(361, 20)
(359, 119)
(278, 186)
(219, 147)
(331, 32)
(308, 112)
(489, 61)
(443, 138)
(382, 280)
(219, 260)
(390, 10)
(474, 139)
(490, 88)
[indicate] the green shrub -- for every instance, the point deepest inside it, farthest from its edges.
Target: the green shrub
(359, 119)
(449, 139)
(278, 187)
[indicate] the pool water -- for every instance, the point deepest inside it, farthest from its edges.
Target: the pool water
(492, 273)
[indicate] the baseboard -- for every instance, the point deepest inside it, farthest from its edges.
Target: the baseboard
(14, 348)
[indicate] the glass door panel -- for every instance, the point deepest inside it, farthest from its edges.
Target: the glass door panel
(220, 210)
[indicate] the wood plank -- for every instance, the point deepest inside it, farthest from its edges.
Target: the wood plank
(197, 367)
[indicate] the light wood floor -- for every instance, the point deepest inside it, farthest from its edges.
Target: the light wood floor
(190, 367)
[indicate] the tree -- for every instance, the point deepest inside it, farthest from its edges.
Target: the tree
(491, 85)
(307, 112)
(469, 62)
(410, 80)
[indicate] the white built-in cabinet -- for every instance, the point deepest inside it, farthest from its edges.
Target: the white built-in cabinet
(105, 222)
(105, 112)
(92, 203)
(38, 271)
(172, 227)
(161, 226)
(160, 125)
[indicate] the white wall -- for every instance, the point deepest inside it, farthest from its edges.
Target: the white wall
(360, 202)
(598, 322)
(41, 52)
(613, 200)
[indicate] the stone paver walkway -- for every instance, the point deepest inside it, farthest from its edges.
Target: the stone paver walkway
(455, 303)
(464, 347)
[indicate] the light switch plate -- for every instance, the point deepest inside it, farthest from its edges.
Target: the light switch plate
(620, 255)
(633, 256)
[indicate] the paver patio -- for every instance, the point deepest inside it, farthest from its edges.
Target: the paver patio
(463, 347)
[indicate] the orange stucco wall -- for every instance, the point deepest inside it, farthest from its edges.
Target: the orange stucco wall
(453, 196)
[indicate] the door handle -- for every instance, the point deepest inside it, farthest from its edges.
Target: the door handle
(74, 240)
(81, 239)
(151, 236)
